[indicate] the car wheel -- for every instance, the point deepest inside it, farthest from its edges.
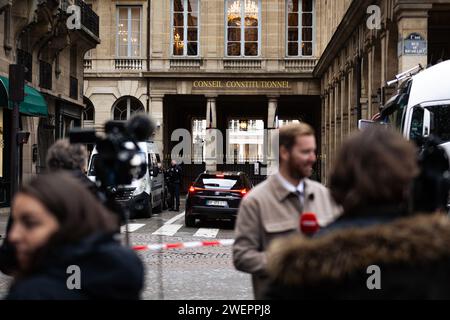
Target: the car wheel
(189, 221)
(148, 213)
(164, 201)
(132, 215)
(158, 209)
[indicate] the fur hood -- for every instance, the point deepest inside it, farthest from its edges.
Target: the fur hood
(411, 241)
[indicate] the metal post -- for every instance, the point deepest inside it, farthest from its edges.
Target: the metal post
(14, 150)
(16, 96)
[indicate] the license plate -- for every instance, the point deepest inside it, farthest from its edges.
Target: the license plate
(216, 203)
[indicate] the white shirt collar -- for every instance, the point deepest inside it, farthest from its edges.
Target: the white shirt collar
(289, 186)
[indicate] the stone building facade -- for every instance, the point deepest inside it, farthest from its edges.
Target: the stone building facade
(249, 65)
(193, 64)
(360, 58)
(35, 33)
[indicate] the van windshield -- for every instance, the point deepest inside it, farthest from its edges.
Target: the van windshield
(440, 126)
(91, 171)
(95, 157)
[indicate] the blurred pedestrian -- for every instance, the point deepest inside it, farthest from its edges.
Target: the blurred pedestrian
(59, 226)
(63, 155)
(377, 248)
(174, 179)
(273, 208)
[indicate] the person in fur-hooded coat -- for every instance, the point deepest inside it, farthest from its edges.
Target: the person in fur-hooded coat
(377, 249)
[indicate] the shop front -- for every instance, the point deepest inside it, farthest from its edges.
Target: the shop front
(34, 105)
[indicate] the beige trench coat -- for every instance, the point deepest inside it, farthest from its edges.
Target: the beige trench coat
(270, 211)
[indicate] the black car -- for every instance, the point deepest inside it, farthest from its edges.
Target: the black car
(216, 196)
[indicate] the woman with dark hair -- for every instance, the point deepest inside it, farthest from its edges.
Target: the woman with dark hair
(60, 230)
(378, 248)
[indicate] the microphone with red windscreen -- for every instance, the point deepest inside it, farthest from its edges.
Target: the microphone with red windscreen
(309, 224)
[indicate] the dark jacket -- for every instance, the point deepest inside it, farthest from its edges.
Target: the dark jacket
(108, 271)
(413, 254)
(174, 175)
(8, 262)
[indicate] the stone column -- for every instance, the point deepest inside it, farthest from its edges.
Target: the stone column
(350, 101)
(384, 54)
(344, 107)
(330, 127)
(337, 116)
(327, 131)
(410, 22)
(370, 59)
(323, 139)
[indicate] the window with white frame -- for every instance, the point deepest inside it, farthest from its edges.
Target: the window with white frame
(300, 28)
(128, 32)
(242, 27)
(126, 107)
(185, 33)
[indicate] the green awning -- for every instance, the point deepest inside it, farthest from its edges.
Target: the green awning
(34, 103)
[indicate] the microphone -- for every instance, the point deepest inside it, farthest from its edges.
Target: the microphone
(309, 224)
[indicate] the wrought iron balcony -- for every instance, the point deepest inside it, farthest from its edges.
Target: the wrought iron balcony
(26, 59)
(89, 18)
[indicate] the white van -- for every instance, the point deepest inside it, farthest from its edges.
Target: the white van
(145, 195)
(422, 104)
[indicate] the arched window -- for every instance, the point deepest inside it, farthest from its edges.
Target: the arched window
(88, 113)
(126, 107)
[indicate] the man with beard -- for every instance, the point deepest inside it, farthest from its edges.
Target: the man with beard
(273, 208)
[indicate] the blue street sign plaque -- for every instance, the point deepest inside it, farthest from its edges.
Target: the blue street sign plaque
(414, 44)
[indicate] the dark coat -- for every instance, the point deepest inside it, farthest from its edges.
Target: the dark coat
(108, 271)
(413, 254)
(175, 175)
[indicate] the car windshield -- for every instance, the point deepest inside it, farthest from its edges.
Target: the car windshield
(440, 121)
(219, 183)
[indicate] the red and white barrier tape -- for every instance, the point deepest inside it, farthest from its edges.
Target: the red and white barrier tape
(185, 245)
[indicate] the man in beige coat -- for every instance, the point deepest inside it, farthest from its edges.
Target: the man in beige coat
(273, 208)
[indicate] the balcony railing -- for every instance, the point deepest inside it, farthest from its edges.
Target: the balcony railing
(89, 19)
(128, 64)
(185, 63)
(87, 64)
(300, 65)
(241, 64)
(45, 75)
(26, 59)
(74, 88)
